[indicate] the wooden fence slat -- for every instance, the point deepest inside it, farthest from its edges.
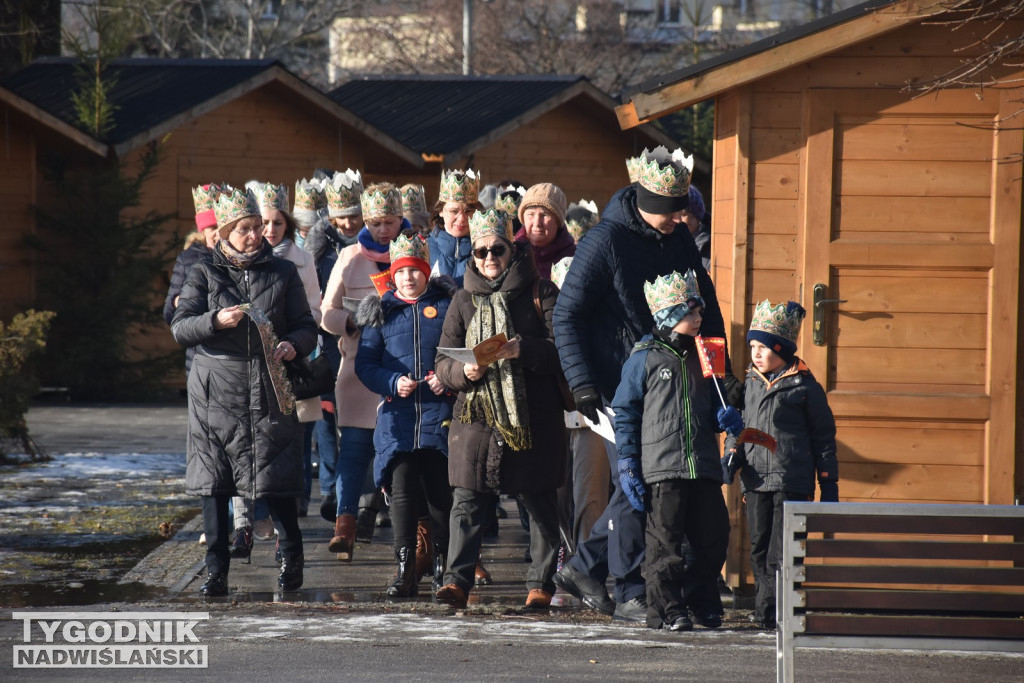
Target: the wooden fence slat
(920, 600)
(918, 550)
(895, 524)
(914, 574)
(930, 626)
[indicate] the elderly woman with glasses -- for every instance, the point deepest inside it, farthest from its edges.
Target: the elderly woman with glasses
(507, 433)
(449, 241)
(243, 434)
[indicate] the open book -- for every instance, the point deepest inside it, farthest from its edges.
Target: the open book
(481, 354)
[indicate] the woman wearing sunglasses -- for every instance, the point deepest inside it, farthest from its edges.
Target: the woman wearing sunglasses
(507, 433)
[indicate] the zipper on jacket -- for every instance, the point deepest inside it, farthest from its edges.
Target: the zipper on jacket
(688, 458)
(417, 365)
(253, 364)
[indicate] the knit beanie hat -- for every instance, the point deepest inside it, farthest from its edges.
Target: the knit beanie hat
(777, 327)
(545, 195)
(696, 207)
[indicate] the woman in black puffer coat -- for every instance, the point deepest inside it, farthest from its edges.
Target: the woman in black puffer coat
(239, 441)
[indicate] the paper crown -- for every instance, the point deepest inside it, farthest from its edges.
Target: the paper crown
(782, 320)
(490, 222)
(205, 197)
(414, 199)
(234, 203)
(671, 290)
(666, 174)
(382, 199)
(559, 269)
(513, 197)
(459, 186)
(309, 198)
(633, 168)
(580, 221)
(342, 192)
(403, 247)
(268, 195)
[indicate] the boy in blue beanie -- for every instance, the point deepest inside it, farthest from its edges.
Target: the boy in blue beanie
(665, 416)
(784, 401)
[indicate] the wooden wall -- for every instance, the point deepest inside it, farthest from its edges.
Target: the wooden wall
(576, 146)
(17, 196)
(828, 173)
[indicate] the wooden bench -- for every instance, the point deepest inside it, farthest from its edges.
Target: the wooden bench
(900, 576)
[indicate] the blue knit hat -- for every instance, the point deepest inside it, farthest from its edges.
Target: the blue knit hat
(696, 206)
(777, 327)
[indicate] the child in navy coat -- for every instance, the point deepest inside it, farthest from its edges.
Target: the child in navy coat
(401, 331)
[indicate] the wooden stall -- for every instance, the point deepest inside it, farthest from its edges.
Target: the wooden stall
(895, 219)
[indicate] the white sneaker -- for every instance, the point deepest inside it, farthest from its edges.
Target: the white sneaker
(202, 539)
(263, 530)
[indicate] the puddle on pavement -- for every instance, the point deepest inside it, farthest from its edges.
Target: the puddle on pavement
(76, 593)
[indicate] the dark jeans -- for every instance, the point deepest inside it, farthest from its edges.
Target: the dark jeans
(466, 531)
(616, 543)
(217, 526)
(420, 479)
(764, 517)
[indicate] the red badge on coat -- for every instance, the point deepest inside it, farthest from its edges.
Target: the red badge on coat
(429, 312)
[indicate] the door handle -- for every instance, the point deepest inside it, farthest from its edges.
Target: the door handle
(818, 314)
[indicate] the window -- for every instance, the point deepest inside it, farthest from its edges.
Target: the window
(669, 12)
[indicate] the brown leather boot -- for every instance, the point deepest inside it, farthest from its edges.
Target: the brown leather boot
(424, 545)
(344, 537)
(481, 576)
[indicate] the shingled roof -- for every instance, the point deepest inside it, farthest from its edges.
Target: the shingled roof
(454, 115)
(154, 96)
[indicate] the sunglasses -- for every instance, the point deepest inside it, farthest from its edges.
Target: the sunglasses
(498, 250)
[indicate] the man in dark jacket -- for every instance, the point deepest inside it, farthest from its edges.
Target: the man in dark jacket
(600, 314)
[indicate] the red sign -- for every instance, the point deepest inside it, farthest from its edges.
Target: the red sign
(381, 281)
(712, 356)
(759, 438)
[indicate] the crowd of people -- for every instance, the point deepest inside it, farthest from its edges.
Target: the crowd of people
(504, 342)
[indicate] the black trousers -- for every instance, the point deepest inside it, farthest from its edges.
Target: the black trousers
(466, 531)
(217, 526)
(764, 518)
(684, 510)
(419, 480)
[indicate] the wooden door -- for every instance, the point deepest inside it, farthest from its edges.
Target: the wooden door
(910, 218)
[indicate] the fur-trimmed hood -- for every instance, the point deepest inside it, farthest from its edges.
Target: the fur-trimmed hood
(373, 309)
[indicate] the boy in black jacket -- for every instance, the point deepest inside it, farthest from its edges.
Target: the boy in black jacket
(784, 401)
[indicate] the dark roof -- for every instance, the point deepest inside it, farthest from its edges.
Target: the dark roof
(441, 114)
(759, 46)
(146, 92)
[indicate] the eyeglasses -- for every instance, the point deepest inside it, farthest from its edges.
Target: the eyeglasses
(453, 213)
(245, 232)
(498, 250)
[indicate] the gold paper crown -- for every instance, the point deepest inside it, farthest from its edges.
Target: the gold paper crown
(414, 199)
(342, 191)
(459, 186)
(666, 174)
(490, 222)
(233, 204)
(309, 197)
(268, 195)
(509, 204)
(379, 200)
(578, 226)
(409, 247)
(633, 168)
(559, 269)
(671, 290)
(205, 199)
(782, 320)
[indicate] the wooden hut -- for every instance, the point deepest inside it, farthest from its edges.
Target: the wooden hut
(558, 129)
(895, 219)
(215, 121)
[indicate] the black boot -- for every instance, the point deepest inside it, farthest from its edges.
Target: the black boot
(366, 520)
(216, 585)
(440, 566)
(405, 582)
(290, 577)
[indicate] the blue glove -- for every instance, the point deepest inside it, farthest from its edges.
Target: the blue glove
(829, 490)
(730, 420)
(632, 484)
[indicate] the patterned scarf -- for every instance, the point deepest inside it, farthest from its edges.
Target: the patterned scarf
(501, 399)
(239, 259)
